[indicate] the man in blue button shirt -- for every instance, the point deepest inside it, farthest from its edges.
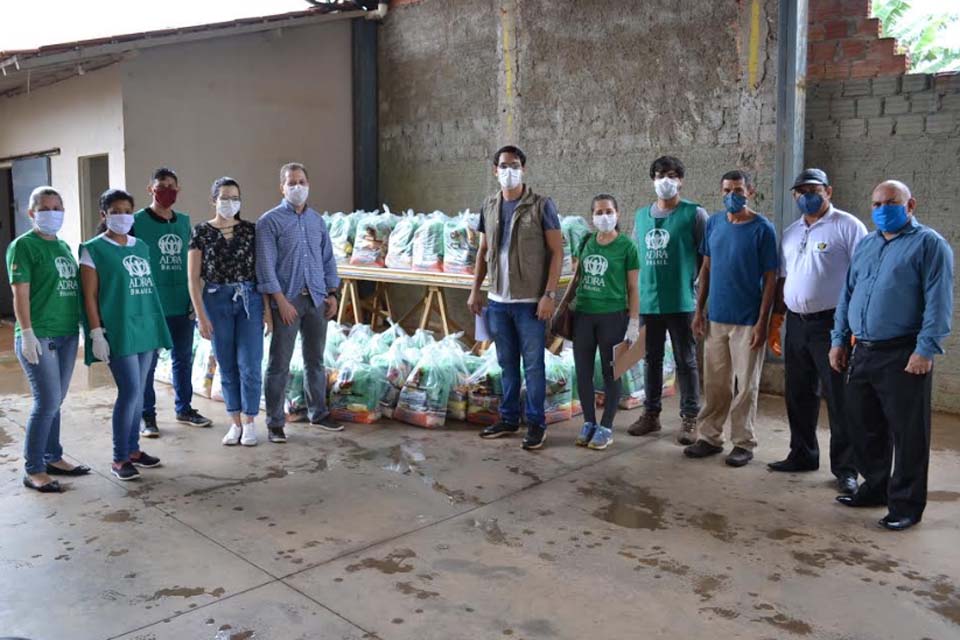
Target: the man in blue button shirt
(897, 303)
(296, 268)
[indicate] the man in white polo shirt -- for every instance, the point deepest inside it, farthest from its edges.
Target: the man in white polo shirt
(815, 253)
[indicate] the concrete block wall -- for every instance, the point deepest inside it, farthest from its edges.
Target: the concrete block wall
(862, 131)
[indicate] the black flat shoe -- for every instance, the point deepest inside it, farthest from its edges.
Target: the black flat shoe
(893, 523)
(847, 485)
(79, 470)
(792, 466)
(51, 487)
(860, 499)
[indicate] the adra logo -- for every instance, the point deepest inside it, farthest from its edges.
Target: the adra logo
(141, 282)
(170, 246)
(657, 241)
(67, 270)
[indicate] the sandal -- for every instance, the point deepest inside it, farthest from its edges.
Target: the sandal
(51, 487)
(79, 470)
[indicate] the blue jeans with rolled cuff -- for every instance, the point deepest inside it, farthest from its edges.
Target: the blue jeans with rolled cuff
(236, 313)
(518, 333)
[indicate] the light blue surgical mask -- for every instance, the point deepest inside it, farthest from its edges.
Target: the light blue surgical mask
(809, 203)
(734, 202)
(890, 217)
(48, 222)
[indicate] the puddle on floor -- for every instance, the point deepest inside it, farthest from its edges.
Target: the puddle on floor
(394, 562)
(185, 592)
(627, 505)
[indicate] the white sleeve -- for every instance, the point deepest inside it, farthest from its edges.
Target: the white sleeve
(85, 259)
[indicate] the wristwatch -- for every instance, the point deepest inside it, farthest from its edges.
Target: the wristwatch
(552, 295)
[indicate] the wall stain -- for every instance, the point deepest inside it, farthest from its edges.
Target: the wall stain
(627, 505)
(393, 563)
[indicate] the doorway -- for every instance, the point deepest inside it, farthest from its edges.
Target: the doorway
(94, 172)
(6, 237)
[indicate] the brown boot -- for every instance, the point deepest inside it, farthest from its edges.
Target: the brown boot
(688, 430)
(647, 423)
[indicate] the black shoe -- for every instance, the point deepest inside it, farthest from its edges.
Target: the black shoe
(328, 425)
(739, 457)
(79, 470)
(51, 487)
(702, 449)
(194, 419)
(276, 434)
(148, 427)
(861, 499)
(847, 485)
(536, 436)
(793, 466)
(145, 460)
(893, 523)
(499, 430)
(126, 471)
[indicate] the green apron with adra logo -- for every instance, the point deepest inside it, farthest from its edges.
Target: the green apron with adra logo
(668, 260)
(129, 305)
(169, 243)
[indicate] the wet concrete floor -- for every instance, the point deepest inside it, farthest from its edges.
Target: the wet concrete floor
(394, 532)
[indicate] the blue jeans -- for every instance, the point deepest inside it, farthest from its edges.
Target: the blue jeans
(49, 380)
(518, 332)
(130, 373)
(181, 331)
(236, 313)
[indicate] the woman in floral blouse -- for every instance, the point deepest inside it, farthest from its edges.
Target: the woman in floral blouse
(230, 312)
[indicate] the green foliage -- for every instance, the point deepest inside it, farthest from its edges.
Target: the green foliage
(931, 40)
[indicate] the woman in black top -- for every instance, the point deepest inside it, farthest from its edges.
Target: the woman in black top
(223, 288)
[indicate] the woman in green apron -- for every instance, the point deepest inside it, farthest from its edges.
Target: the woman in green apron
(124, 321)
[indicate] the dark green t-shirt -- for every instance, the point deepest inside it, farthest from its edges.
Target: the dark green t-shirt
(603, 275)
(50, 269)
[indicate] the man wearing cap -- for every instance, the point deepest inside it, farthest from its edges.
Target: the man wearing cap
(815, 253)
(897, 301)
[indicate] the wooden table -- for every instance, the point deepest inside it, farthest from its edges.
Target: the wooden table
(433, 303)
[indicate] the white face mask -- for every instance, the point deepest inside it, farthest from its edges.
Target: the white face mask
(226, 209)
(48, 222)
(510, 178)
(605, 222)
(120, 223)
(666, 188)
(296, 194)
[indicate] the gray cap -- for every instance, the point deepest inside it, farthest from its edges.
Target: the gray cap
(811, 176)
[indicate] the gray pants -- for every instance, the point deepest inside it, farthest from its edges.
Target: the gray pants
(311, 321)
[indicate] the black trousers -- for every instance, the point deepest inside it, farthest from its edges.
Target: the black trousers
(808, 378)
(592, 331)
(888, 411)
(684, 355)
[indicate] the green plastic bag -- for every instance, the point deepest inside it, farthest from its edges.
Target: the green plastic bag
(461, 241)
(400, 249)
(342, 229)
(485, 390)
(423, 399)
(574, 229)
(428, 243)
(373, 238)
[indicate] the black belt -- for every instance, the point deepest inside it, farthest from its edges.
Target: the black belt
(893, 343)
(810, 317)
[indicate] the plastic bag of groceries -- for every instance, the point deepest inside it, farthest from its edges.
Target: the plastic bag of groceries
(355, 394)
(394, 365)
(380, 342)
(485, 390)
(632, 386)
(354, 348)
(576, 409)
(336, 335)
(204, 368)
(457, 400)
(373, 238)
(461, 240)
(400, 249)
(574, 229)
(421, 339)
(428, 243)
(342, 229)
(557, 405)
(296, 398)
(423, 399)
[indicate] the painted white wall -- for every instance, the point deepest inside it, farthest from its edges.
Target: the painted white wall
(82, 116)
(243, 106)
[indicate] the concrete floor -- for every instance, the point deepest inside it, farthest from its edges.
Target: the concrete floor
(395, 532)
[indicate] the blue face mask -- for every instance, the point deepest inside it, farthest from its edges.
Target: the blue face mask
(809, 203)
(890, 217)
(734, 202)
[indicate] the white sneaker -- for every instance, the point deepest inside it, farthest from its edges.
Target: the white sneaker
(249, 438)
(233, 436)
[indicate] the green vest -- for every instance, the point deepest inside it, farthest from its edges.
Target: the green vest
(668, 259)
(169, 244)
(127, 297)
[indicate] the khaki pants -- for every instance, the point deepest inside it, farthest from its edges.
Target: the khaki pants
(728, 360)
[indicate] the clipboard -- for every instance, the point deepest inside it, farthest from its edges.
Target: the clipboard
(626, 355)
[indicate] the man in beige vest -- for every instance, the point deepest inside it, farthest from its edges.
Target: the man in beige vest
(521, 247)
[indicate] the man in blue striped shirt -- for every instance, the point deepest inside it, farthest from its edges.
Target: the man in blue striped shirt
(296, 268)
(897, 303)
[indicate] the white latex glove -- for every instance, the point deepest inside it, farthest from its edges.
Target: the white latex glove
(101, 348)
(633, 330)
(30, 346)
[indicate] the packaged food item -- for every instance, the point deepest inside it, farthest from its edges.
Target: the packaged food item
(204, 367)
(428, 243)
(342, 229)
(557, 404)
(296, 399)
(336, 335)
(464, 364)
(423, 399)
(574, 229)
(461, 241)
(355, 394)
(576, 409)
(400, 249)
(485, 390)
(394, 366)
(372, 239)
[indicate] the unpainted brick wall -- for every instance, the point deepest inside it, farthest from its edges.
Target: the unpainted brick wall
(863, 131)
(844, 42)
